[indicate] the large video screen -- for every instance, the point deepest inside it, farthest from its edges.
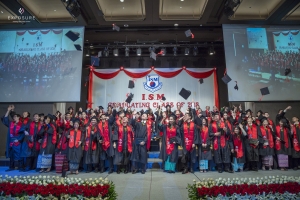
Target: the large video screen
(42, 65)
(257, 57)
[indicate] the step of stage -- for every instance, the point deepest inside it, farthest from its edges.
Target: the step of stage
(153, 154)
(154, 163)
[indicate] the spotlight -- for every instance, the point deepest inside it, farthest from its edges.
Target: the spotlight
(99, 54)
(126, 51)
(106, 52)
(151, 49)
(229, 7)
(163, 51)
(73, 8)
(121, 0)
(87, 53)
(195, 51)
(175, 51)
(116, 52)
(115, 27)
(139, 52)
(186, 51)
(211, 51)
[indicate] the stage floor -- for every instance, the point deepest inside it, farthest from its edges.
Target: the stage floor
(155, 184)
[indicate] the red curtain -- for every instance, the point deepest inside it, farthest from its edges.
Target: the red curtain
(143, 74)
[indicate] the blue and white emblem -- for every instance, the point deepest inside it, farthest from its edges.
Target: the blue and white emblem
(152, 83)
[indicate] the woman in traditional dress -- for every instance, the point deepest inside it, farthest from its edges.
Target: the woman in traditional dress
(170, 141)
(204, 150)
(283, 144)
(76, 138)
(239, 149)
(48, 142)
(266, 149)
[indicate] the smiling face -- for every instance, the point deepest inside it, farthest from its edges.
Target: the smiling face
(249, 121)
(36, 118)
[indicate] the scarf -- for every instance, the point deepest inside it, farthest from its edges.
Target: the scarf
(129, 138)
(268, 136)
(222, 137)
(188, 130)
(104, 132)
(171, 133)
(238, 143)
(295, 138)
(14, 132)
(74, 141)
(87, 140)
(149, 125)
(285, 137)
(32, 127)
(54, 135)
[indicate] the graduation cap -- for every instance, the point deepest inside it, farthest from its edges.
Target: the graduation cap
(72, 36)
(264, 91)
(248, 111)
(78, 47)
(129, 98)
(70, 108)
(201, 80)
(115, 27)
(131, 84)
(163, 98)
(95, 61)
(189, 33)
(226, 79)
(101, 107)
(287, 71)
(236, 87)
(260, 111)
(153, 55)
(49, 116)
(185, 93)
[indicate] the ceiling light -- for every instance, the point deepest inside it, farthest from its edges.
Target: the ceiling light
(99, 54)
(195, 51)
(126, 25)
(139, 52)
(181, 0)
(187, 51)
(116, 52)
(121, 0)
(1, 11)
(180, 7)
(91, 46)
(123, 7)
(126, 51)
(211, 51)
(106, 52)
(175, 24)
(54, 10)
(87, 53)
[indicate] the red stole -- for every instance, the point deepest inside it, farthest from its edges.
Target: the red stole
(295, 138)
(74, 141)
(270, 122)
(188, 135)
(222, 137)
(84, 121)
(87, 140)
(285, 135)
(238, 146)
(46, 136)
(25, 120)
(252, 131)
(229, 125)
(31, 133)
(204, 135)
(104, 132)
(15, 133)
(149, 123)
(171, 132)
(62, 144)
(269, 136)
(129, 138)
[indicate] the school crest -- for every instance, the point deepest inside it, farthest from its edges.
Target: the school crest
(152, 83)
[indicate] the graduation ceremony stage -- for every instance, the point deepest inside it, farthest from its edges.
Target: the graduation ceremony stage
(155, 184)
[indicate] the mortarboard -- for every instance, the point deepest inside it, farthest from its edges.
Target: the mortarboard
(287, 71)
(70, 108)
(189, 33)
(129, 98)
(153, 55)
(201, 80)
(185, 93)
(95, 61)
(101, 107)
(49, 116)
(248, 111)
(72, 36)
(163, 98)
(226, 79)
(78, 47)
(236, 87)
(260, 111)
(131, 84)
(264, 91)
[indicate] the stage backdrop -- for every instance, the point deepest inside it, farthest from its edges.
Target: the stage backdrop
(110, 86)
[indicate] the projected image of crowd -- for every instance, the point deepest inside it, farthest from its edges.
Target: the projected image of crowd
(229, 139)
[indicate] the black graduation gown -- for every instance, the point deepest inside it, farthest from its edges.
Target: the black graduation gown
(296, 154)
(50, 147)
(268, 151)
(195, 141)
(207, 154)
(92, 156)
(283, 149)
(124, 156)
(110, 152)
(163, 151)
(75, 153)
(243, 158)
(253, 153)
(25, 150)
(222, 154)
(139, 152)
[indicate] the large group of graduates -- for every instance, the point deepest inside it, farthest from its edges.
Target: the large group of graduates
(231, 139)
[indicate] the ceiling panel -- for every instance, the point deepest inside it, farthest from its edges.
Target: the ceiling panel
(181, 10)
(294, 14)
(47, 10)
(129, 10)
(256, 9)
(5, 15)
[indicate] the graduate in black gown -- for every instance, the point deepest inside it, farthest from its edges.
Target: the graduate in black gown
(139, 151)
(15, 136)
(295, 129)
(123, 142)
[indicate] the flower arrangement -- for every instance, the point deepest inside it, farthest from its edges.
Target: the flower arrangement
(55, 188)
(268, 187)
